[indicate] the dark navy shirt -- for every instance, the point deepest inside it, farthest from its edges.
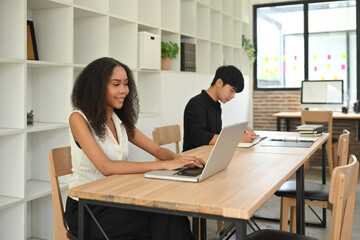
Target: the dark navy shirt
(202, 119)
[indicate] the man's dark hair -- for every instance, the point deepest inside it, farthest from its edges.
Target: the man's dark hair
(230, 75)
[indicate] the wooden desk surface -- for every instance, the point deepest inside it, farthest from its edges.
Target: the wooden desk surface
(336, 115)
(237, 192)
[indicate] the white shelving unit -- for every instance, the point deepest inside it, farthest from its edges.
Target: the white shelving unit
(69, 35)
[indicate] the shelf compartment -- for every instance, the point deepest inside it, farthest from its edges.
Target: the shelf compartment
(170, 15)
(91, 36)
(149, 12)
(10, 131)
(216, 57)
(188, 18)
(48, 93)
(228, 7)
(12, 222)
(203, 57)
(216, 26)
(237, 33)
(53, 31)
(6, 202)
(238, 60)
(149, 88)
(228, 30)
(116, 8)
(228, 55)
(175, 38)
(123, 48)
(12, 171)
(94, 5)
(203, 22)
(12, 92)
(37, 189)
(41, 126)
(12, 25)
(39, 145)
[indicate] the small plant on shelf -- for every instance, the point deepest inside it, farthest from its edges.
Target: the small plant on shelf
(30, 117)
(249, 48)
(169, 50)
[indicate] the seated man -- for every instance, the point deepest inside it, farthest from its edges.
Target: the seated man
(202, 115)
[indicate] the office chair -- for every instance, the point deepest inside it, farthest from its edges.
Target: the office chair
(59, 165)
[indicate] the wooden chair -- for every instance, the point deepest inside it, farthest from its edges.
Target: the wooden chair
(342, 201)
(321, 117)
(166, 135)
(59, 165)
(316, 194)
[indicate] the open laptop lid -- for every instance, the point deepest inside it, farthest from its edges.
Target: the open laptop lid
(224, 149)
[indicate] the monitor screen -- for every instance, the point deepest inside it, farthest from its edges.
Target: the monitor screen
(322, 92)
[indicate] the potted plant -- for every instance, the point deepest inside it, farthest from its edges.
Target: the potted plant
(169, 50)
(249, 48)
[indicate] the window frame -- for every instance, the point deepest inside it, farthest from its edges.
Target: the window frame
(306, 42)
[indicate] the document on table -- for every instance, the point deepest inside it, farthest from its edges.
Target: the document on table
(248, 145)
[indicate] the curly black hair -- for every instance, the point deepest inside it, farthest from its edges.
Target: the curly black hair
(89, 95)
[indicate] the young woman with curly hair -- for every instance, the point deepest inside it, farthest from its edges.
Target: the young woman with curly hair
(103, 122)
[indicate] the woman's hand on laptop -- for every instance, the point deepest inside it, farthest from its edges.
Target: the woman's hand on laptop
(249, 136)
(184, 161)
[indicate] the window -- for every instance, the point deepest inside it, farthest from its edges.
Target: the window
(306, 40)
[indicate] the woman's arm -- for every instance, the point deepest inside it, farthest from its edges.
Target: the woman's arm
(142, 141)
(82, 134)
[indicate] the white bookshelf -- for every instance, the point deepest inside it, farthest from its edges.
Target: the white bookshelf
(70, 34)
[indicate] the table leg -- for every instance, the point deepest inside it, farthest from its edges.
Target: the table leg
(203, 228)
(240, 229)
(358, 130)
(196, 228)
(287, 124)
(84, 222)
(300, 202)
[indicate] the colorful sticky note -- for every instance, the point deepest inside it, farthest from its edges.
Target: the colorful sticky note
(315, 68)
(283, 58)
(284, 68)
(266, 59)
(267, 70)
(322, 78)
(294, 68)
(315, 57)
(344, 55)
(329, 57)
(328, 66)
(275, 59)
(335, 78)
(276, 69)
(295, 57)
(342, 66)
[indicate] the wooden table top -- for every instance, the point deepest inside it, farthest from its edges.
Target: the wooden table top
(336, 115)
(237, 192)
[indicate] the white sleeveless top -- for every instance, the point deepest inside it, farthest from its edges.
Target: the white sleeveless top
(83, 169)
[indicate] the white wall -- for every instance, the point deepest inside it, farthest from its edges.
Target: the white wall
(176, 90)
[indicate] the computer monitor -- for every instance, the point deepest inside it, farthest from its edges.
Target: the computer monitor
(324, 94)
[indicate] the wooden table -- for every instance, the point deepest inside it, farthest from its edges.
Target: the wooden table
(234, 194)
(336, 115)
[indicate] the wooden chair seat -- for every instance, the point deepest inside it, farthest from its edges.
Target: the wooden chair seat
(269, 234)
(313, 191)
(166, 135)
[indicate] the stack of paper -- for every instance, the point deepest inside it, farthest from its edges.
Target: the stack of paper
(310, 130)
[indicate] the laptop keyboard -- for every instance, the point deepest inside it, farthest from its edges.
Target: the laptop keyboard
(195, 171)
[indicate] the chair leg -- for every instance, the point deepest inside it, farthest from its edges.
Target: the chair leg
(220, 225)
(284, 213)
(293, 219)
(335, 158)
(307, 164)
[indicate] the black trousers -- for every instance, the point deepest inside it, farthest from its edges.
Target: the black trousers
(124, 224)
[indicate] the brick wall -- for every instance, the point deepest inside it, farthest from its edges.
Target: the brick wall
(266, 103)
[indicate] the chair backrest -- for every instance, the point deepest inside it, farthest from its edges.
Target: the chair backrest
(59, 165)
(342, 197)
(321, 117)
(342, 154)
(167, 134)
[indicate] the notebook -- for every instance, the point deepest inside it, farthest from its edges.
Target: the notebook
(249, 145)
(219, 158)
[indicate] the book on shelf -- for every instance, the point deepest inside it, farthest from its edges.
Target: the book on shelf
(188, 57)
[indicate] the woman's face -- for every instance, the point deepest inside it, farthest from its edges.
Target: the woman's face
(117, 88)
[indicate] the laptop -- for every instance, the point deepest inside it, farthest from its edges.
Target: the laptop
(219, 158)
